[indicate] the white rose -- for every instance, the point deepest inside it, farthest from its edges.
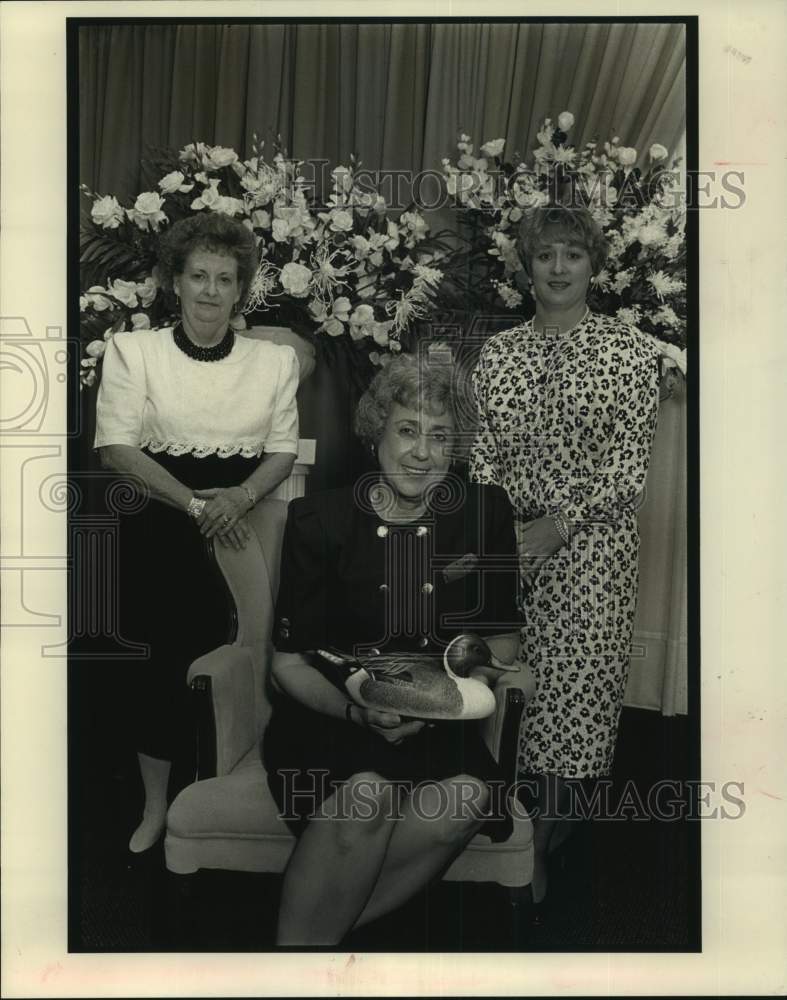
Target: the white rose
(106, 212)
(146, 212)
(147, 291)
(341, 308)
(657, 151)
(565, 121)
(280, 230)
(380, 333)
(97, 298)
(172, 182)
(627, 155)
(341, 221)
(139, 321)
(334, 328)
(125, 292)
(95, 349)
(295, 279)
(84, 302)
(362, 315)
(260, 219)
(493, 148)
(220, 156)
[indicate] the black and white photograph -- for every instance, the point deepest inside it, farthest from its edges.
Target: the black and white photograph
(374, 428)
(384, 391)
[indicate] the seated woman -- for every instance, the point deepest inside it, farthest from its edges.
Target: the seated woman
(381, 804)
(204, 424)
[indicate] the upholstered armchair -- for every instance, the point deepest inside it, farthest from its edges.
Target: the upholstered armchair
(227, 818)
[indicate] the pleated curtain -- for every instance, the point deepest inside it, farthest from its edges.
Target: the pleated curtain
(396, 95)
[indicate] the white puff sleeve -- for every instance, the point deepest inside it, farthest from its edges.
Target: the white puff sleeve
(283, 436)
(121, 393)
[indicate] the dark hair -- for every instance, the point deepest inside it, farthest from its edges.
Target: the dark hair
(413, 380)
(577, 223)
(211, 231)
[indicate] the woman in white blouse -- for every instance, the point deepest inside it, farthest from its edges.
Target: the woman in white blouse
(205, 424)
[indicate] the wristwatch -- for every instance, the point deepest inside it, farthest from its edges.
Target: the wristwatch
(196, 507)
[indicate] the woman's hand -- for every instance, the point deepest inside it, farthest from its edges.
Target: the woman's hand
(538, 540)
(387, 724)
(223, 514)
(236, 537)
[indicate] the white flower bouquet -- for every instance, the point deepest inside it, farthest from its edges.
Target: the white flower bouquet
(639, 209)
(340, 270)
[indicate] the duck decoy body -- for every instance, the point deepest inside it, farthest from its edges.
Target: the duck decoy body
(421, 685)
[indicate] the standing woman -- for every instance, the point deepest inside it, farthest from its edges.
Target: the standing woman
(206, 425)
(567, 412)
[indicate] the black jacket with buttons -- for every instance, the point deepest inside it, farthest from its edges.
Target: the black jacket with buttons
(355, 583)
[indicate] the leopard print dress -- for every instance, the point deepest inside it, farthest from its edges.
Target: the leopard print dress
(566, 423)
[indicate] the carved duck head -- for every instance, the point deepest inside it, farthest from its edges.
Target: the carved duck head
(420, 685)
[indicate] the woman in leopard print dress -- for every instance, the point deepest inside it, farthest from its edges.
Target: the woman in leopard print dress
(567, 411)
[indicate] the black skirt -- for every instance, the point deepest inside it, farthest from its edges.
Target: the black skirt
(307, 754)
(175, 601)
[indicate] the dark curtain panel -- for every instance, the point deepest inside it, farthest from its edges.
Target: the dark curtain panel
(394, 94)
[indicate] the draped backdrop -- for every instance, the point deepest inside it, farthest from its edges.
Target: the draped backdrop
(396, 95)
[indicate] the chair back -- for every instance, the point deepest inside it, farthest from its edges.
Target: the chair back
(252, 577)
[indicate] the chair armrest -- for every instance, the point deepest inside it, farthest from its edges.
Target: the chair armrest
(501, 730)
(222, 685)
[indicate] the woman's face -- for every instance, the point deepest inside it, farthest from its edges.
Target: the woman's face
(561, 270)
(415, 450)
(209, 291)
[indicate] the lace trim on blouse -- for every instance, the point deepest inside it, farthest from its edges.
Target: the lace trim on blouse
(203, 450)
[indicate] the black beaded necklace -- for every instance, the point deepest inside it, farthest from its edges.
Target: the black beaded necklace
(214, 353)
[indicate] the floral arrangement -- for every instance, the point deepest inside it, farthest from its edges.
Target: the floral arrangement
(643, 282)
(340, 270)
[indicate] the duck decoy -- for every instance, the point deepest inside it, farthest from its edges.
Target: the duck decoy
(421, 685)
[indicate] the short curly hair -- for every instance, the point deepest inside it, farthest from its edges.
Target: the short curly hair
(576, 222)
(212, 231)
(426, 380)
